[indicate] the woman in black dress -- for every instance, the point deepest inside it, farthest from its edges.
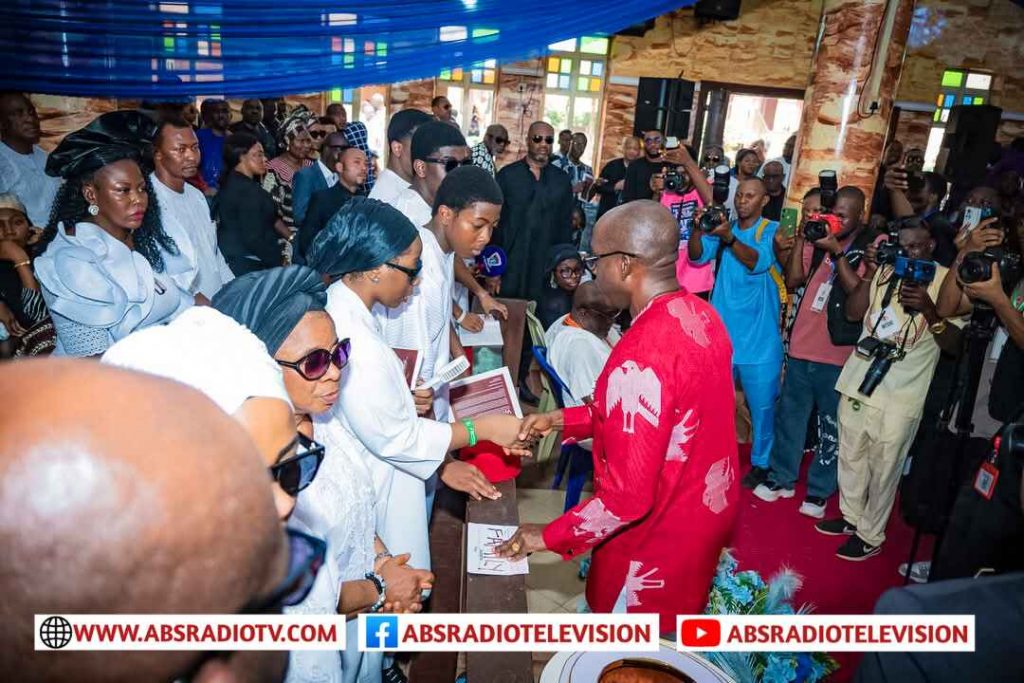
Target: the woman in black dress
(245, 212)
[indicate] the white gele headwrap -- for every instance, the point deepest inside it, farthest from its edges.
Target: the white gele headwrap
(208, 351)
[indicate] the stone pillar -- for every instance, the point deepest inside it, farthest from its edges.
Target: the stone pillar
(848, 103)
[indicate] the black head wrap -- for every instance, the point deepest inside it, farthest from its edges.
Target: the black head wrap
(562, 252)
(108, 138)
(272, 302)
(364, 234)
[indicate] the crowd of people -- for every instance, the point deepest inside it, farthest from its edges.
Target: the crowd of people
(272, 265)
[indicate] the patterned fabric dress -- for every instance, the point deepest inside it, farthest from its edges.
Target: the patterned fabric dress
(278, 182)
(665, 464)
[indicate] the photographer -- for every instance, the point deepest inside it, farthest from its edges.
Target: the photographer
(959, 298)
(832, 262)
(883, 385)
(683, 190)
(747, 297)
(913, 192)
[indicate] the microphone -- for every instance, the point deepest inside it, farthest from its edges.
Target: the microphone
(492, 261)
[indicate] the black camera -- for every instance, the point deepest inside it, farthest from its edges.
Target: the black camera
(891, 249)
(977, 266)
(883, 355)
(716, 214)
(915, 181)
(673, 181)
(820, 225)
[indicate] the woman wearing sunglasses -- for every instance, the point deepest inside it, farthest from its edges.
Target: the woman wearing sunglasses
(212, 353)
(284, 308)
(371, 253)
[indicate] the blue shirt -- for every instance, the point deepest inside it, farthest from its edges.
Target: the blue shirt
(747, 300)
(211, 147)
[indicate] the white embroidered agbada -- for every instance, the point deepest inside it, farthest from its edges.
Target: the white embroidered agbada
(376, 421)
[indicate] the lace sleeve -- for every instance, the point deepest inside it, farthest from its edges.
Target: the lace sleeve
(77, 339)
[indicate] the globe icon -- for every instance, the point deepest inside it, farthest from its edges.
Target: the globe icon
(55, 632)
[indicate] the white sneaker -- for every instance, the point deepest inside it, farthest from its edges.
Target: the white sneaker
(813, 508)
(918, 572)
(771, 492)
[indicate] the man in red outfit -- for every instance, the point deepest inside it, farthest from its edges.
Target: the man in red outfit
(662, 421)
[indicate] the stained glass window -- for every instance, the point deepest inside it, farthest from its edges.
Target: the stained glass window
(574, 77)
(957, 87)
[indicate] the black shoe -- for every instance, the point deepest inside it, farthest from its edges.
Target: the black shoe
(856, 550)
(756, 475)
(393, 674)
(527, 396)
(835, 527)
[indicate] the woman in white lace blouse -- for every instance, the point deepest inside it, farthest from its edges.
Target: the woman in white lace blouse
(284, 307)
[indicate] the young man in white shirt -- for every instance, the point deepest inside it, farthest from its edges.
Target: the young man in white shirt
(22, 161)
(184, 211)
(398, 174)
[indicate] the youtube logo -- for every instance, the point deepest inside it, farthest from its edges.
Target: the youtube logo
(700, 633)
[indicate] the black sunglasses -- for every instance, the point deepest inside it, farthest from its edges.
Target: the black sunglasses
(411, 273)
(317, 362)
(591, 261)
(305, 557)
(537, 139)
(449, 163)
(318, 133)
(714, 158)
(500, 141)
(299, 471)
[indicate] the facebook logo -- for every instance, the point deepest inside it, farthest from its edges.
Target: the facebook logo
(381, 631)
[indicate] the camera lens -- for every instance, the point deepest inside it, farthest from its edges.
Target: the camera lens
(875, 374)
(975, 268)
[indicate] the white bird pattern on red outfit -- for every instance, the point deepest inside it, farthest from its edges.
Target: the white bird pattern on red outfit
(636, 582)
(681, 435)
(716, 485)
(639, 392)
(596, 520)
(693, 323)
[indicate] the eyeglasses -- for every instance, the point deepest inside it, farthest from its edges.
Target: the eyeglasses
(411, 273)
(591, 261)
(570, 272)
(449, 163)
(299, 471)
(318, 133)
(317, 362)
(305, 557)
(500, 141)
(713, 159)
(537, 139)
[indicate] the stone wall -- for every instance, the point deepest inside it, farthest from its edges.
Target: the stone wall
(411, 94)
(619, 109)
(769, 45)
(966, 34)
(912, 128)
(519, 103)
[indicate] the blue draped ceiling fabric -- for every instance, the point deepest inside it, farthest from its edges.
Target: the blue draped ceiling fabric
(176, 48)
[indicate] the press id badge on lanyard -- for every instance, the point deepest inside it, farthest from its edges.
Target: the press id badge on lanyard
(987, 476)
(883, 324)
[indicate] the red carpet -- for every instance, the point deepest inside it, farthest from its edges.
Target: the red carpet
(770, 536)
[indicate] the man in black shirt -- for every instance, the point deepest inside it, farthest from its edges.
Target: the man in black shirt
(613, 176)
(351, 167)
(773, 175)
(638, 175)
(535, 216)
(252, 123)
